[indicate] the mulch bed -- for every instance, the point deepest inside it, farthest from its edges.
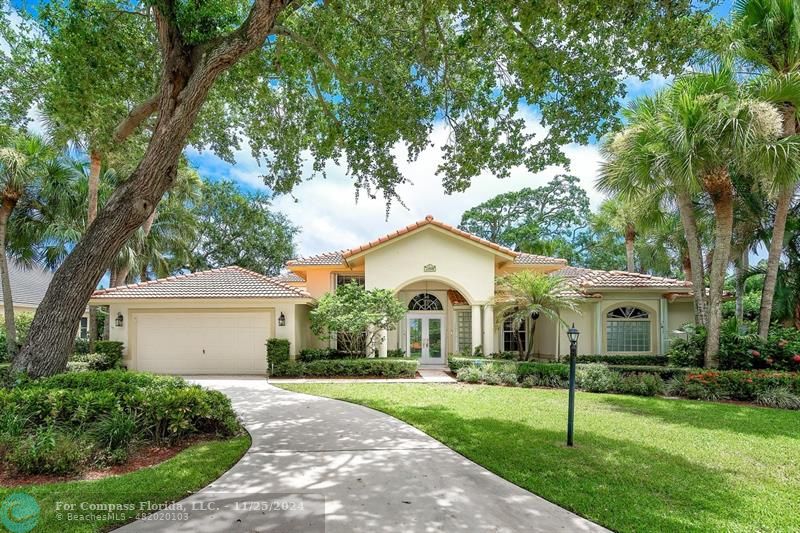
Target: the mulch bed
(143, 457)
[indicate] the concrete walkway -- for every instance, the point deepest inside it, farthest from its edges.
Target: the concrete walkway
(364, 470)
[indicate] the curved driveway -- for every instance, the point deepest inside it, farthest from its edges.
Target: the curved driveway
(368, 471)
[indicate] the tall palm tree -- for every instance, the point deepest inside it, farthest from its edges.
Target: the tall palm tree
(24, 161)
(708, 130)
(525, 296)
(767, 36)
(636, 165)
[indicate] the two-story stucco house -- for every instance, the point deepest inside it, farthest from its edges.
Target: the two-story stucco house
(217, 321)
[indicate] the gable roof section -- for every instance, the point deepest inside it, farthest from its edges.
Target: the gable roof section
(226, 282)
(340, 257)
(586, 278)
(289, 277)
(28, 284)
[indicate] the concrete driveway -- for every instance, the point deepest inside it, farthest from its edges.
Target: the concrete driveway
(324, 465)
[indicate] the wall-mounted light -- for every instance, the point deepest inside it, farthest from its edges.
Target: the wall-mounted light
(119, 320)
(282, 320)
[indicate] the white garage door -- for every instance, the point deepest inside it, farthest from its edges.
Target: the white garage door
(208, 342)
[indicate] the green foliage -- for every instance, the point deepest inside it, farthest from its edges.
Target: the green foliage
(366, 367)
(596, 378)
(741, 348)
(236, 228)
(356, 315)
(108, 356)
(741, 385)
(664, 372)
(277, 351)
(653, 360)
(544, 374)
(779, 397)
(102, 414)
(23, 322)
(752, 306)
(490, 373)
(313, 354)
(48, 451)
(531, 220)
(640, 384)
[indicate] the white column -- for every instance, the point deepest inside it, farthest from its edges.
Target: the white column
(488, 329)
(476, 327)
(383, 343)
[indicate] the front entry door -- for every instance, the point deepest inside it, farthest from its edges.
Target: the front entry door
(426, 338)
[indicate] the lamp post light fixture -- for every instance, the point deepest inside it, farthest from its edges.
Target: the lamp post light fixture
(572, 335)
(119, 320)
(282, 320)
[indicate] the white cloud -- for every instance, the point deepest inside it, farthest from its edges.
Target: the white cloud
(331, 219)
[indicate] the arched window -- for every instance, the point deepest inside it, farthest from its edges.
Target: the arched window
(628, 330)
(425, 302)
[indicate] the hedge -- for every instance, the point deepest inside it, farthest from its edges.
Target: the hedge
(665, 372)
(648, 360)
(378, 367)
(277, 351)
(742, 385)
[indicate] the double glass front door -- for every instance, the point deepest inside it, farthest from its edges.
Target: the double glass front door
(426, 337)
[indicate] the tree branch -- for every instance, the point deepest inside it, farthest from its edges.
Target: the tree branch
(136, 116)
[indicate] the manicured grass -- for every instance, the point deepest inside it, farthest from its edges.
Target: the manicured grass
(639, 464)
(172, 480)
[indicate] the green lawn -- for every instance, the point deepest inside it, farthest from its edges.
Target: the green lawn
(640, 464)
(187, 472)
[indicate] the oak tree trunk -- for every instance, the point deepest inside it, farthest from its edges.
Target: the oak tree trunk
(695, 252)
(720, 188)
(5, 280)
(187, 74)
(778, 230)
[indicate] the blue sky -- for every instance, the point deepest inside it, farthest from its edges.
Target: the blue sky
(331, 219)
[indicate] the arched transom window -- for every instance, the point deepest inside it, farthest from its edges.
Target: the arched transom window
(425, 302)
(628, 330)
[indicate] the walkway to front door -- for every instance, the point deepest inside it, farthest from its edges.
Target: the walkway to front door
(366, 471)
(425, 340)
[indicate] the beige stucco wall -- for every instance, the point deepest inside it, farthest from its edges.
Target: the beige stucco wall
(462, 265)
(289, 307)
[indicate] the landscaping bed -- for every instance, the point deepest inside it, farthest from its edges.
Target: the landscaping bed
(347, 368)
(80, 421)
(639, 464)
(764, 387)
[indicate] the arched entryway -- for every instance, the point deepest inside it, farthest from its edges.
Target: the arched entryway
(439, 321)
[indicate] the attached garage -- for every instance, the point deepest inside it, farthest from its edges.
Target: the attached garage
(205, 341)
(212, 322)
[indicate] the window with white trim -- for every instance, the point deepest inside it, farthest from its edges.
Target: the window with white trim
(512, 340)
(628, 330)
(342, 279)
(425, 302)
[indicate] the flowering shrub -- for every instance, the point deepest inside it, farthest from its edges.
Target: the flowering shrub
(743, 385)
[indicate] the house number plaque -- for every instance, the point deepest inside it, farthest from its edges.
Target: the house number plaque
(429, 268)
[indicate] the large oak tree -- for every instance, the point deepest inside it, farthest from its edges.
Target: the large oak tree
(350, 82)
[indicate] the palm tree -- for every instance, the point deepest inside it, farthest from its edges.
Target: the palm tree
(623, 216)
(707, 131)
(767, 36)
(24, 159)
(530, 295)
(636, 165)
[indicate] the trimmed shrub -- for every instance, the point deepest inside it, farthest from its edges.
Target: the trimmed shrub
(459, 362)
(81, 346)
(277, 351)
(664, 372)
(377, 367)
(596, 378)
(469, 374)
(639, 384)
(544, 374)
(507, 356)
(94, 361)
(112, 349)
(742, 385)
(645, 360)
(314, 354)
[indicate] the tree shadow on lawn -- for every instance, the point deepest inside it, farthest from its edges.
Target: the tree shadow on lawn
(710, 415)
(618, 483)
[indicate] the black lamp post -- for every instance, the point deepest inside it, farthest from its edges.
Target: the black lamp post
(572, 335)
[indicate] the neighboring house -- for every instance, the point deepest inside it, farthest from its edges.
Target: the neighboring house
(28, 286)
(217, 321)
